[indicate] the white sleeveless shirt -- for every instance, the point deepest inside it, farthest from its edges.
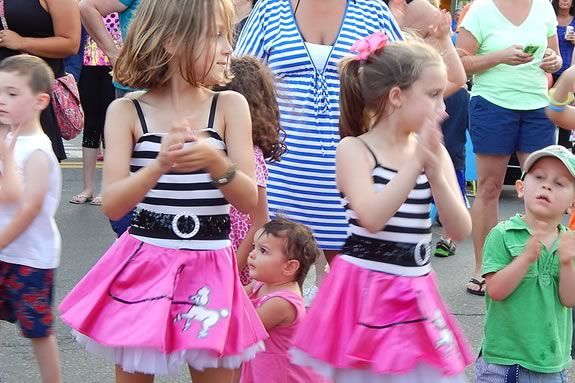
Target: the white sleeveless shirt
(39, 245)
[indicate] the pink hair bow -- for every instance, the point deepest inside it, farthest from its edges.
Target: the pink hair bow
(369, 44)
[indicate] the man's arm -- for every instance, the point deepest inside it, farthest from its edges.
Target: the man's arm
(92, 12)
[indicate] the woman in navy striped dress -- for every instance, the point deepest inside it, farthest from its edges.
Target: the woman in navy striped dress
(303, 42)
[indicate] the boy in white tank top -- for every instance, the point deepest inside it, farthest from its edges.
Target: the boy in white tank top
(29, 238)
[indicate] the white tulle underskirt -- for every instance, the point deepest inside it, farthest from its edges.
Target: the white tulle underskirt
(154, 362)
(422, 374)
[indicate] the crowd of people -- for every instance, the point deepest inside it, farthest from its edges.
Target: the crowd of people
(247, 141)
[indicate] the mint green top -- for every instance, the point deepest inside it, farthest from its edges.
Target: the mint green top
(530, 327)
(520, 87)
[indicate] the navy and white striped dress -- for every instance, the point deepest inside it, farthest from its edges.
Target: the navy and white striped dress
(302, 186)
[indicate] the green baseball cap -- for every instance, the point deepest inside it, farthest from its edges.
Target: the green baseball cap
(557, 151)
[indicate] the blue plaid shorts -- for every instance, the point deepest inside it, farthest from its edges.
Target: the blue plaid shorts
(497, 373)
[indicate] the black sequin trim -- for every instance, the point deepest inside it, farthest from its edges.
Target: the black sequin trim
(396, 253)
(158, 225)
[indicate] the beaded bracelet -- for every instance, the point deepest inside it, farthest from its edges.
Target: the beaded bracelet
(552, 100)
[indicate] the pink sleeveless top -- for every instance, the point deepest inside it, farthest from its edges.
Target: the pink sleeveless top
(274, 364)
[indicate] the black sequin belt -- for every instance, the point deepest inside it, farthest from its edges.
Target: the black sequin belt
(378, 250)
(185, 225)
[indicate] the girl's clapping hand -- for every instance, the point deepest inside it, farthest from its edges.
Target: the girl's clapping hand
(172, 145)
(430, 139)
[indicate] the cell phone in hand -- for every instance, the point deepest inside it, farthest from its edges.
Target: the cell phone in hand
(530, 49)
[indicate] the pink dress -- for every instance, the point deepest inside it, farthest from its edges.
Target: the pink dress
(273, 364)
(167, 293)
(378, 316)
(241, 222)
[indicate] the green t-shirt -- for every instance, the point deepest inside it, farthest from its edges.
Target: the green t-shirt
(530, 327)
(520, 87)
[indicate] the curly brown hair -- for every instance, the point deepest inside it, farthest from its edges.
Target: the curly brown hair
(255, 82)
(299, 243)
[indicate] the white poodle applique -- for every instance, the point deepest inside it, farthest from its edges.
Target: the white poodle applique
(445, 339)
(198, 312)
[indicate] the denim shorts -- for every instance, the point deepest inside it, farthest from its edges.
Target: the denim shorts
(500, 131)
(496, 373)
(454, 128)
(26, 298)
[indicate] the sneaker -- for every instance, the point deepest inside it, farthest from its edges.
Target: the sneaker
(445, 248)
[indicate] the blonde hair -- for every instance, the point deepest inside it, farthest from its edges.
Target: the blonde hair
(167, 30)
(365, 85)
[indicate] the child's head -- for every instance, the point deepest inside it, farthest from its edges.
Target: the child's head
(548, 182)
(284, 251)
(25, 86)
(255, 82)
(169, 37)
(405, 77)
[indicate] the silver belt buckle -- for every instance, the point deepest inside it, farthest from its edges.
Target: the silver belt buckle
(178, 232)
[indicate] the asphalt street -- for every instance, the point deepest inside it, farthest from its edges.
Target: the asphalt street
(85, 236)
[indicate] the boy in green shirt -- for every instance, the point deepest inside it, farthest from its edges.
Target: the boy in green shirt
(529, 268)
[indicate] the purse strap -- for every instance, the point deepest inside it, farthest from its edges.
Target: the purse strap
(3, 16)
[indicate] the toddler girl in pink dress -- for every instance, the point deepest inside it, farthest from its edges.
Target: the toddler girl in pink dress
(283, 253)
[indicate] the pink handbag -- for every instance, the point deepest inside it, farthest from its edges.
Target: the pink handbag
(65, 99)
(67, 108)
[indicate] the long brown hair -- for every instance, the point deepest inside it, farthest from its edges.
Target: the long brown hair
(164, 30)
(255, 82)
(365, 85)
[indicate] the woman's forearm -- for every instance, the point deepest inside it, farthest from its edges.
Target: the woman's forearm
(479, 63)
(51, 47)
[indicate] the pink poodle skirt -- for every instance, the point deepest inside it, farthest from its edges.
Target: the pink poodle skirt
(153, 310)
(369, 325)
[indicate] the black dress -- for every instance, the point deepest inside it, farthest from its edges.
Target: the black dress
(29, 19)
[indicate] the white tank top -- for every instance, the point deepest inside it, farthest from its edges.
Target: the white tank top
(319, 54)
(39, 245)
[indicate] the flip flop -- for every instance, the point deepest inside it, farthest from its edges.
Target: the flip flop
(481, 284)
(80, 199)
(96, 201)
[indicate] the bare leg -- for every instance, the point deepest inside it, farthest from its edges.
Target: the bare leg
(238, 374)
(522, 157)
(127, 377)
(212, 375)
(89, 159)
(485, 210)
(46, 353)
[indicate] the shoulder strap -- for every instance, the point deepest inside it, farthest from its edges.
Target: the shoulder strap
(3, 15)
(295, 300)
(370, 151)
(212, 110)
(140, 115)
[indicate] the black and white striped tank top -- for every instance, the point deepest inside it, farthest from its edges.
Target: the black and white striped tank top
(180, 198)
(402, 246)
